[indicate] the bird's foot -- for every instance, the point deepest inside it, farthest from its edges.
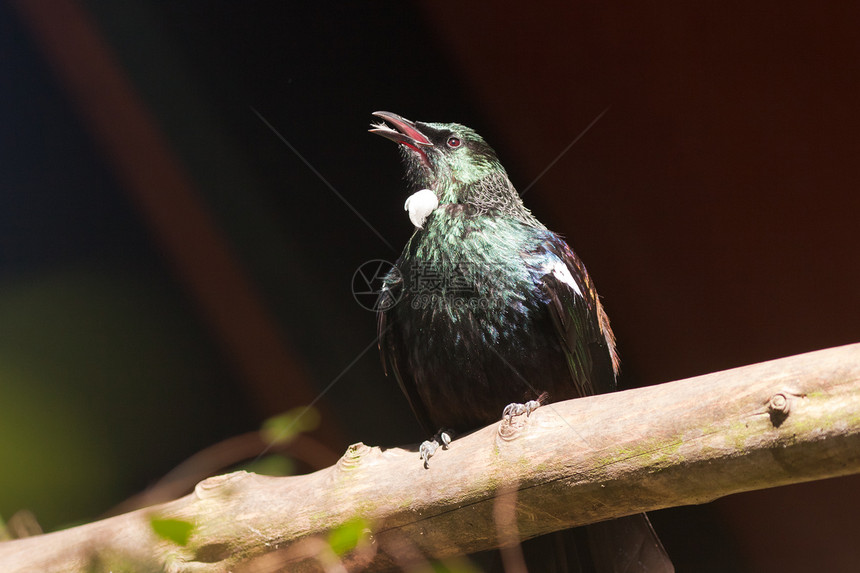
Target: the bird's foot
(429, 447)
(517, 409)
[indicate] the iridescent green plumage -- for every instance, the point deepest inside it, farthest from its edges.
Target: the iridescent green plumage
(528, 298)
(493, 308)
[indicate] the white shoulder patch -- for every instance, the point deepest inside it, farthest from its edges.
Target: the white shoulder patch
(420, 204)
(562, 273)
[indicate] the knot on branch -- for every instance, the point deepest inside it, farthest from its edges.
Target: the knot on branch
(512, 428)
(214, 486)
(778, 408)
(353, 455)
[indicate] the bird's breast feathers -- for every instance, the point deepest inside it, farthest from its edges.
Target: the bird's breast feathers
(465, 262)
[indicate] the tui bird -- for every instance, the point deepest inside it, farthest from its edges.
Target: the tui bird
(488, 312)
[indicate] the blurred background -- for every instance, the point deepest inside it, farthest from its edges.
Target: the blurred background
(187, 188)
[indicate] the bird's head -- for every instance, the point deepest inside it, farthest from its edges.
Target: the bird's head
(447, 158)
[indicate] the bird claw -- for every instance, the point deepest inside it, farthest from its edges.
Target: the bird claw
(517, 409)
(429, 447)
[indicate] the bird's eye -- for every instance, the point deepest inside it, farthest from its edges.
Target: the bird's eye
(454, 142)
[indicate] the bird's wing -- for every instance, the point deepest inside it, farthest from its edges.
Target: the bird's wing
(579, 320)
(392, 354)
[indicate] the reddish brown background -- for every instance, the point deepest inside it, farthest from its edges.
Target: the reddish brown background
(715, 203)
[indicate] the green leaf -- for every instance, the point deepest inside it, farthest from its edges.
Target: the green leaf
(275, 465)
(346, 537)
(175, 530)
(282, 428)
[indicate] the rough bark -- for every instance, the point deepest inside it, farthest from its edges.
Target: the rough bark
(571, 463)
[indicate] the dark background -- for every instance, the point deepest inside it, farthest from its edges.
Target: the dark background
(172, 273)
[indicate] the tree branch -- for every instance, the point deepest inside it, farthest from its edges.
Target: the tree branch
(571, 463)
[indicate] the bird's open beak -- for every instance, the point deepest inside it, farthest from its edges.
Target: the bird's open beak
(404, 131)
